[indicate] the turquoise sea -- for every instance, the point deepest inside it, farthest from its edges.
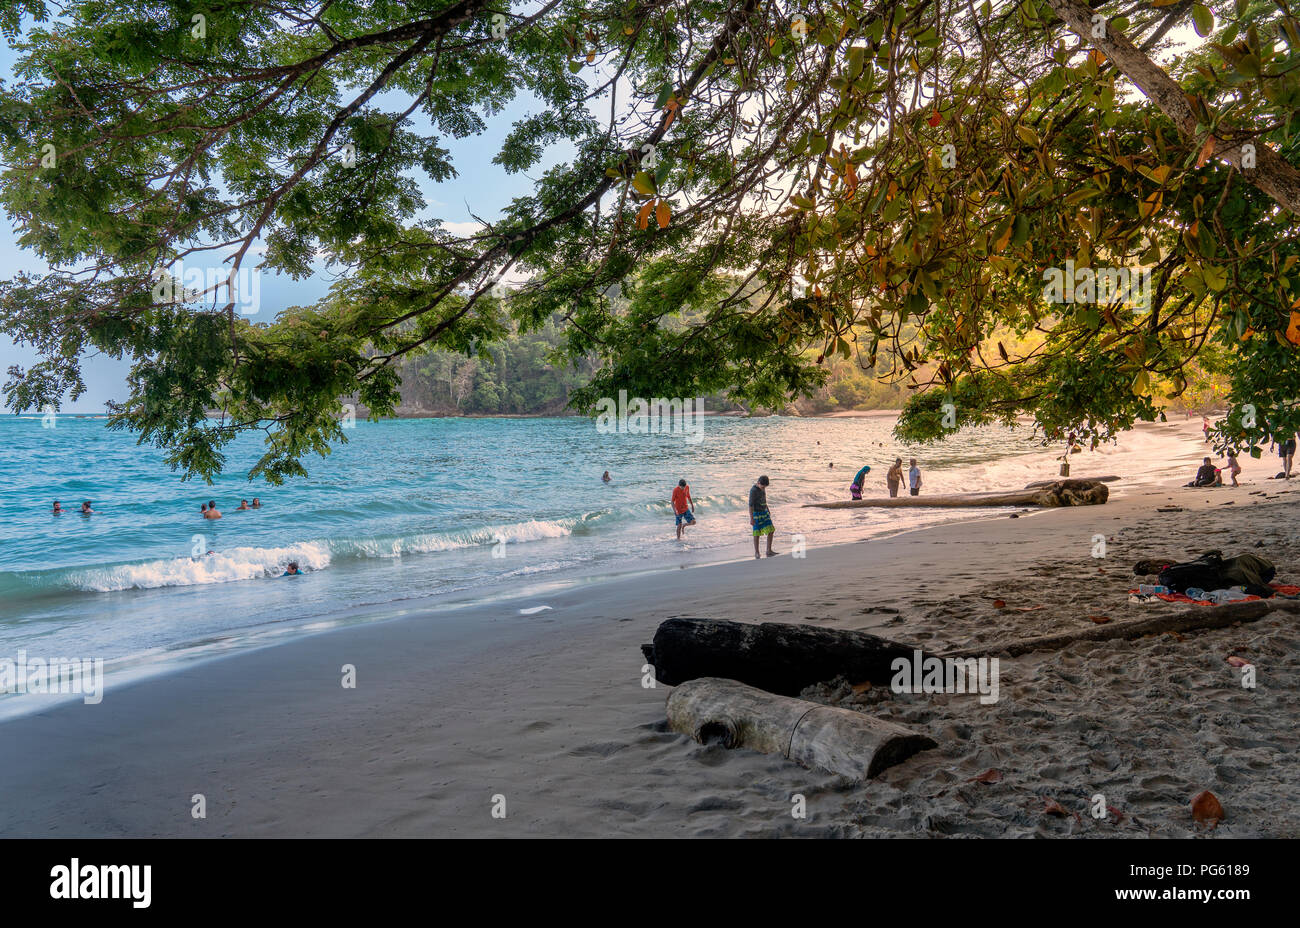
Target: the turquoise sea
(415, 515)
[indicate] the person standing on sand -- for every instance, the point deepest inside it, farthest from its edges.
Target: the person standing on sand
(1234, 467)
(1286, 451)
(760, 518)
(894, 477)
(914, 478)
(683, 507)
(1205, 428)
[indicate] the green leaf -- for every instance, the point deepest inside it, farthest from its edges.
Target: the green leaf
(1021, 230)
(644, 184)
(1203, 19)
(1027, 135)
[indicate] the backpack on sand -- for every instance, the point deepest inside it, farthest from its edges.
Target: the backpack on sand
(1211, 571)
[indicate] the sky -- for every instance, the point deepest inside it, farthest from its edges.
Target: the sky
(481, 187)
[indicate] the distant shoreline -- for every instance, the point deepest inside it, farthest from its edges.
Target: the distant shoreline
(425, 414)
(730, 414)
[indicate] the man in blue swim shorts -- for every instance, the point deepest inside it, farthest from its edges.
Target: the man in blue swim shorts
(760, 518)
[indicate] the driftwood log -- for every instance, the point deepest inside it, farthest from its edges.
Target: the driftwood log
(1109, 478)
(1196, 618)
(1057, 493)
(808, 733)
(775, 657)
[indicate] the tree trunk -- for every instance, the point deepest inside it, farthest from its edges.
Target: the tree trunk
(1193, 619)
(838, 740)
(773, 656)
(1056, 493)
(1271, 174)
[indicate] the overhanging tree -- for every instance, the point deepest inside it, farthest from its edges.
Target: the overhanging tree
(760, 178)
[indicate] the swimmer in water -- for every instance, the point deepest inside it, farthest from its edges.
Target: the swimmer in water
(292, 570)
(86, 510)
(606, 477)
(243, 504)
(257, 503)
(212, 512)
(57, 510)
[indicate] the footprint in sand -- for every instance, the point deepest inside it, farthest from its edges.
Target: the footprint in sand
(716, 804)
(601, 749)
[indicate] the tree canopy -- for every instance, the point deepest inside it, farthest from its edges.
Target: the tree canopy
(768, 185)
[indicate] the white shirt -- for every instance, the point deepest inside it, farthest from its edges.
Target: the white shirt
(913, 478)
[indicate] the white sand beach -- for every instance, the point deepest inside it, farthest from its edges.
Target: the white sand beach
(548, 710)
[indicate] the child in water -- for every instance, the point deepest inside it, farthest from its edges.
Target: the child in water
(292, 571)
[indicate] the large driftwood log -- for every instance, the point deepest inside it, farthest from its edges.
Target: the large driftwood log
(1057, 493)
(1109, 478)
(1194, 619)
(808, 733)
(772, 656)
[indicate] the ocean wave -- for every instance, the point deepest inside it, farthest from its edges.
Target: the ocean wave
(433, 542)
(252, 562)
(248, 563)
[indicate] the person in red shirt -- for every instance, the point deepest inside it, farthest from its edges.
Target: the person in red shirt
(683, 507)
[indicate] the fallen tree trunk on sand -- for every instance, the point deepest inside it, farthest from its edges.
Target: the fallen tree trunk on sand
(1203, 617)
(1057, 493)
(808, 733)
(772, 656)
(1109, 478)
